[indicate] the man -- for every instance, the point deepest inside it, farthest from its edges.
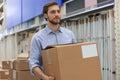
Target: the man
(52, 34)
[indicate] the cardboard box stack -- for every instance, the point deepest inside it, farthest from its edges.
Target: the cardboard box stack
(78, 61)
(7, 70)
(5, 74)
(16, 69)
(22, 67)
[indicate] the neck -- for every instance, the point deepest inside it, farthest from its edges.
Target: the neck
(53, 27)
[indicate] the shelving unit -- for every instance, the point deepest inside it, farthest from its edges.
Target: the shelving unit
(71, 16)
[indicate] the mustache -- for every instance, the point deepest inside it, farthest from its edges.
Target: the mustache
(57, 17)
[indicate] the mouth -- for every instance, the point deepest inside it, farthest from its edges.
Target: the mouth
(57, 18)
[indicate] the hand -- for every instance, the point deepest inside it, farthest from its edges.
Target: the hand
(39, 74)
(45, 77)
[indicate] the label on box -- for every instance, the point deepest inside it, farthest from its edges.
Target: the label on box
(89, 51)
(7, 73)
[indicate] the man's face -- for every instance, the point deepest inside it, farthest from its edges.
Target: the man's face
(53, 15)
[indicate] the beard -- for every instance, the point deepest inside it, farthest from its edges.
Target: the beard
(54, 22)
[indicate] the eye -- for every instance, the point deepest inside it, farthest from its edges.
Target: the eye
(55, 11)
(52, 12)
(58, 11)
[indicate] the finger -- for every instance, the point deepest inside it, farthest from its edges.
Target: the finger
(52, 78)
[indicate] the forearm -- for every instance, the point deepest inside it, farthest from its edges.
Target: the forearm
(40, 75)
(38, 72)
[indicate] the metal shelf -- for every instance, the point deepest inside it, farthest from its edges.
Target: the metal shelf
(26, 29)
(84, 11)
(22, 30)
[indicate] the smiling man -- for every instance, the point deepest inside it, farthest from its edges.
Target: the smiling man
(52, 34)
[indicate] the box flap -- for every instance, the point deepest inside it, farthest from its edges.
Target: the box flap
(70, 44)
(57, 45)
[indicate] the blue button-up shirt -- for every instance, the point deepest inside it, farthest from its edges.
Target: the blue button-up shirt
(46, 37)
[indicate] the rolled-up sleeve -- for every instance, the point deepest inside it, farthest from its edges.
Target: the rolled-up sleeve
(35, 58)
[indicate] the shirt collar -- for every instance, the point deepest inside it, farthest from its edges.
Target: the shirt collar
(48, 30)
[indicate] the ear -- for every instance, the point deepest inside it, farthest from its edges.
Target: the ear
(45, 15)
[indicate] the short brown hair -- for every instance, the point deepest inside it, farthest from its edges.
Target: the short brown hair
(46, 6)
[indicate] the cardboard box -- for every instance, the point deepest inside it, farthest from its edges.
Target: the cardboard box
(6, 64)
(78, 61)
(90, 3)
(6, 74)
(23, 56)
(22, 65)
(23, 75)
